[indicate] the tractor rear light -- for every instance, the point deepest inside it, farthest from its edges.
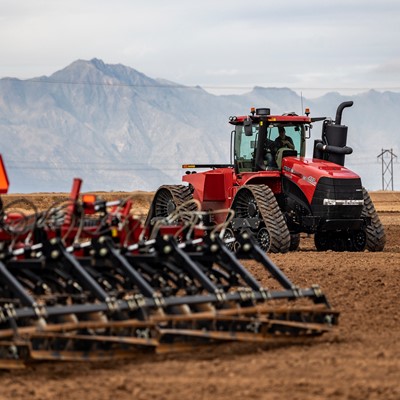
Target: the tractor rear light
(89, 198)
(89, 203)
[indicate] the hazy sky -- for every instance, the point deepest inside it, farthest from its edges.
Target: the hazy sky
(334, 45)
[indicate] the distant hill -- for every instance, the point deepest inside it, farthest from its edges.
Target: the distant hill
(119, 129)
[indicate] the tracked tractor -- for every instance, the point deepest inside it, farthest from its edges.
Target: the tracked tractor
(277, 193)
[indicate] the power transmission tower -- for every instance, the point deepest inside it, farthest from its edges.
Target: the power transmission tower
(387, 157)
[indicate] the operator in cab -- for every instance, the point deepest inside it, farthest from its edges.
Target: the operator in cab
(272, 147)
(282, 140)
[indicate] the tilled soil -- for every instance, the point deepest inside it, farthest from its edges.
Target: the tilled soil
(359, 360)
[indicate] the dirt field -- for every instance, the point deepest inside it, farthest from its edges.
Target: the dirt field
(360, 360)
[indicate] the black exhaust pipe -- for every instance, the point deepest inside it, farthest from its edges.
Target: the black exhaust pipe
(333, 147)
(340, 109)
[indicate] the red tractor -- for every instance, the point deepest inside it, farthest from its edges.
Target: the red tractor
(276, 192)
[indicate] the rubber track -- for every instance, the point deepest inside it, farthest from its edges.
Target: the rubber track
(272, 217)
(180, 194)
(376, 237)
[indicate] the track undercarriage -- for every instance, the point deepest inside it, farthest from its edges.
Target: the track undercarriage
(256, 211)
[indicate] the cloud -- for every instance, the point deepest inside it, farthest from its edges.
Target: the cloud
(222, 72)
(391, 68)
(228, 42)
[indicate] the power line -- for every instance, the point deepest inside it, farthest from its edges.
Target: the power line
(97, 163)
(180, 86)
(47, 168)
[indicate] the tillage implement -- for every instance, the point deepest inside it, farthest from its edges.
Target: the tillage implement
(87, 280)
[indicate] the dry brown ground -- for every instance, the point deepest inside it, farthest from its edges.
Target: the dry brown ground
(360, 360)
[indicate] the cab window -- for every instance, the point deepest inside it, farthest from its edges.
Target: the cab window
(294, 132)
(245, 147)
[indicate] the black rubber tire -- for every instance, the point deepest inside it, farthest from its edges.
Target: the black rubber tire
(268, 210)
(340, 241)
(264, 238)
(358, 240)
(322, 241)
(376, 237)
(294, 241)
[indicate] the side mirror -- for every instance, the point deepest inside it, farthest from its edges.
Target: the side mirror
(248, 130)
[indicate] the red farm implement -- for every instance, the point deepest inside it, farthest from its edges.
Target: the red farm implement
(86, 280)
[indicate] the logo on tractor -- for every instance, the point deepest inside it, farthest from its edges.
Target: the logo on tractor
(310, 179)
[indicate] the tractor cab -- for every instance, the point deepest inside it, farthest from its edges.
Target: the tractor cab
(256, 144)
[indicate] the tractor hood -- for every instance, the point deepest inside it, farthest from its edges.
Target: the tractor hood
(307, 172)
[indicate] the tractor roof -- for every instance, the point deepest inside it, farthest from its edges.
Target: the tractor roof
(285, 118)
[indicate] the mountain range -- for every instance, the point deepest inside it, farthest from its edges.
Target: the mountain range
(120, 130)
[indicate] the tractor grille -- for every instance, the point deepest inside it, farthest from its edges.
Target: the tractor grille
(338, 199)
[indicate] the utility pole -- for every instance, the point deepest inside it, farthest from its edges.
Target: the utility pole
(387, 157)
